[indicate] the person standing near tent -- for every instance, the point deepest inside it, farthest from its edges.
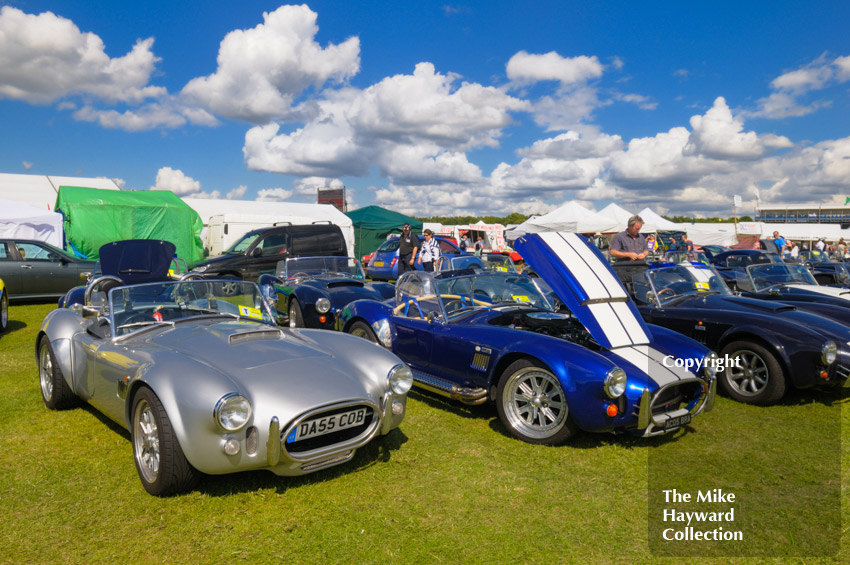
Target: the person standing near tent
(407, 247)
(430, 251)
(464, 243)
(630, 245)
(479, 246)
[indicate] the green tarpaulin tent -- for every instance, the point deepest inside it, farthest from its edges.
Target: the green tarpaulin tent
(94, 217)
(372, 225)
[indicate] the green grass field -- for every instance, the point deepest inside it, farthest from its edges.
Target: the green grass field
(449, 486)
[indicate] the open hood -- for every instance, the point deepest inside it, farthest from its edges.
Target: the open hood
(137, 261)
(581, 277)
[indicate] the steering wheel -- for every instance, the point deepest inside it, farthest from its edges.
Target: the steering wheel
(298, 275)
(663, 290)
(104, 280)
(191, 276)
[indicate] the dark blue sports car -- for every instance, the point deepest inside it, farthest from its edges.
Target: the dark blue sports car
(766, 347)
(494, 337)
(311, 291)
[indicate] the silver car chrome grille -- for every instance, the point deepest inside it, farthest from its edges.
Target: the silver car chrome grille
(332, 438)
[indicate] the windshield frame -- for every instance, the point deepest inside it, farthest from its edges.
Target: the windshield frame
(131, 301)
(752, 272)
(661, 297)
(292, 268)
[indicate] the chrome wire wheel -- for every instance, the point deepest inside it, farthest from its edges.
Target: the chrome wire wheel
(534, 403)
(45, 373)
(751, 376)
(296, 317)
(146, 441)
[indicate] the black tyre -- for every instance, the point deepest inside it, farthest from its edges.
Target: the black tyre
(532, 405)
(362, 329)
(758, 379)
(55, 392)
(4, 312)
(296, 317)
(162, 467)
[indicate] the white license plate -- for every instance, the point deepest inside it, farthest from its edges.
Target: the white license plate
(677, 422)
(327, 424)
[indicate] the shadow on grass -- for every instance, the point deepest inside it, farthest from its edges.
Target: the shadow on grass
(582, 440)
(13, 326)
(826, 396)
(379, 450)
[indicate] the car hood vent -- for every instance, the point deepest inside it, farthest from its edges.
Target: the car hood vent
(346, 282)
(258, 335)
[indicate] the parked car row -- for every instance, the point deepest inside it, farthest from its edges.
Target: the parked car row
(582, 346)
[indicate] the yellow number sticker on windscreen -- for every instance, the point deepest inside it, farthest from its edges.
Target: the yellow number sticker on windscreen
(251, 312)
(517, 298)
(702, 286)
(503, 269)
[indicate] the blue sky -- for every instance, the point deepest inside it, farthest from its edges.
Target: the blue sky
(436, 108)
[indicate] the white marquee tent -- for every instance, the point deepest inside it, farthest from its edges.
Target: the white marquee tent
(22, 221)
(571, 217)
(40, 190)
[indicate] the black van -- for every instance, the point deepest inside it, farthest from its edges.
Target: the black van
(258, 251)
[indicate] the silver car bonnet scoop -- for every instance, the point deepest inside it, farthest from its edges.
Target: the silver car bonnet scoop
(256, 335)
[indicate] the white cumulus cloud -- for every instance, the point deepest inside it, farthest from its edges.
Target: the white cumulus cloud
(262, 70)
(176, 181)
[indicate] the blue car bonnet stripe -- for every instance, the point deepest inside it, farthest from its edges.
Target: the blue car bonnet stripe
(651, 362)
(587, 285)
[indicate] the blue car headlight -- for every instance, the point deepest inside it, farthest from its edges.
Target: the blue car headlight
(615, 382)
(323, 305)
(232, 412)
(829, 352)
(400, 379)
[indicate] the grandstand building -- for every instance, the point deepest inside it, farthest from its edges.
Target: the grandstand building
(810, 214)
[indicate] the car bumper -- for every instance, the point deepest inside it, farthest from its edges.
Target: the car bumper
(659, 413)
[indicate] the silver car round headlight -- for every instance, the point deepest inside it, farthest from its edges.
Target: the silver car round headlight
(323, 305)
(829, 352)
(400, 379)
(615, 382)
(201, 268)
(709, 364)
(232, 412)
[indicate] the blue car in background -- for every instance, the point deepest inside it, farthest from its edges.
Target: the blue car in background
(595, 365)
(384, 263)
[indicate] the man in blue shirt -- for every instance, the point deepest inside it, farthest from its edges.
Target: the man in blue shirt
(780, 242)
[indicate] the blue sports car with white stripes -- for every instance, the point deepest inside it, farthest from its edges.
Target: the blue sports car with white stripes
(593, 365)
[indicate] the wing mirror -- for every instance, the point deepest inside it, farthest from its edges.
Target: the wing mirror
(257, 252)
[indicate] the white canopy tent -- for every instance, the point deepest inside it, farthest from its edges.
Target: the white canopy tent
(571, 217)
(22, 221)
(656, 222)
(40, 190)
(617, 213)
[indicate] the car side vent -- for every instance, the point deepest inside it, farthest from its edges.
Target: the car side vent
(259, 335)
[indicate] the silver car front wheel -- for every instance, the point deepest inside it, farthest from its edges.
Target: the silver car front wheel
(160, 462)
(55, 392)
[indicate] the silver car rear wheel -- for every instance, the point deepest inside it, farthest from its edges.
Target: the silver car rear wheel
(55, 392)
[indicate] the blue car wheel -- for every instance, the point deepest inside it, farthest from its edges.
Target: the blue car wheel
(531, 403)
(296, 316)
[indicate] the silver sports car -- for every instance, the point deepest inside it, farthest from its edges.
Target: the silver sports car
(205, 382)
